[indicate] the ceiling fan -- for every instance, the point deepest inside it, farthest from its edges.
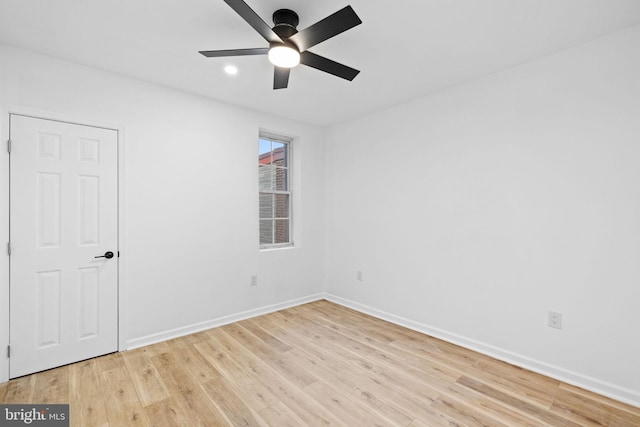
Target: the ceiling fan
(288, 46)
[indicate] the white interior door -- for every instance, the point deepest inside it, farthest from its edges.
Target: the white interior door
(63, 213)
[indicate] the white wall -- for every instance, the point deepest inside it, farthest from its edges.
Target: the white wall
(190, 229)
(475, 211)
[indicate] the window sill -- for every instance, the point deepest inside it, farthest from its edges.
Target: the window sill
(277, 247)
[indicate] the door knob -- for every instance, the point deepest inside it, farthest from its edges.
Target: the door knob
(107, 255)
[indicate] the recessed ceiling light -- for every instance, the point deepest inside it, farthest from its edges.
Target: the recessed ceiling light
(231, 70)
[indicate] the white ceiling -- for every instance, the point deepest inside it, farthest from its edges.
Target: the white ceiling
(404, 48)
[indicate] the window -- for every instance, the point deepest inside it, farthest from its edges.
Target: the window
(275, 192)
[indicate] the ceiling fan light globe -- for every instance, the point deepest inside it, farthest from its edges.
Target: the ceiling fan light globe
(284, 56)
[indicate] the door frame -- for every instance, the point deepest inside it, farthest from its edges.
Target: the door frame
(5, 114)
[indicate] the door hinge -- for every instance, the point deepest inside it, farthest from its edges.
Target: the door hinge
(8, 146)
(9, 248)
(8, 351)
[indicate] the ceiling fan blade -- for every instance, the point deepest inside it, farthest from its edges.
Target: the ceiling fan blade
(254, 20)
(281, 77)
(328, 66)
(235, 52)
(330, 26)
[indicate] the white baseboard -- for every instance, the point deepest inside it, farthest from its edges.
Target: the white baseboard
(220, 321)
(603, 388)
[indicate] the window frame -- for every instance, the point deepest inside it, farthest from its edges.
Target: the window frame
(287, 142)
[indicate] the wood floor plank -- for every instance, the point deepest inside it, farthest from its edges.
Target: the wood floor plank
(398, 378)
(52, 386)
(536, 389)
(407, 401)
(230, 404)
(318, 364)
(169, 412)
(194, 363)
(280, 415)
(269, 379)
(587, 411)
(239, 369)
(465, 414)
(215, 353)
(327, 356)
(449, 386)
(511, 400)
(358, 391)
(622, 409)
(253, 326)
(330, 358)
(451, 356)
(158, 348)
(20, 390)
(85, 390)
(420, 423)
(344, 407)
(122, 404)
(352, 377)
(282, 363)
(148, 383)
(191, 403)
(368, 334)
(316, 335)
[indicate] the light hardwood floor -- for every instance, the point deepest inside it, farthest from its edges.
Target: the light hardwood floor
(317, 364)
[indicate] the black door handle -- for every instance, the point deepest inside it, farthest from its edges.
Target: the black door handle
(107, 255)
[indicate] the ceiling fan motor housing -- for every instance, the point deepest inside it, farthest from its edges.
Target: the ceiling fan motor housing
(285, 22)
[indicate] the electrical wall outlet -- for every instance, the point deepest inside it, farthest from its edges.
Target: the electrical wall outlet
(253, 280)
(359, 276)
(554, 320)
